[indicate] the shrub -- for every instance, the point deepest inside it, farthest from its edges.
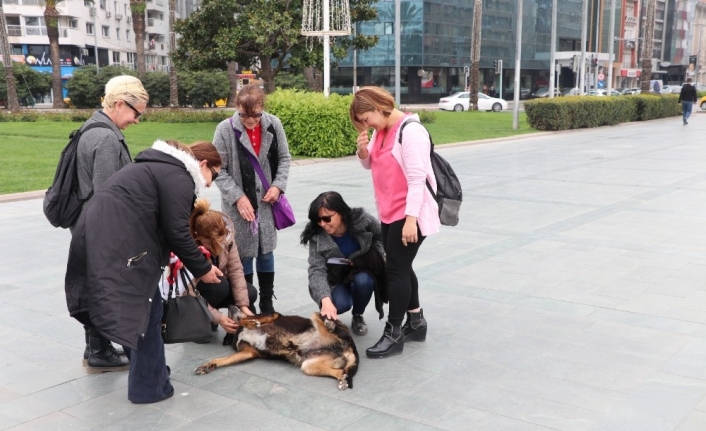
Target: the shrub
(316, 126)
(426, 117)
(157, 86)
(29, 84)
(589, 111)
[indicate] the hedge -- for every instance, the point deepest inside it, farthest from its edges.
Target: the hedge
(577, 112)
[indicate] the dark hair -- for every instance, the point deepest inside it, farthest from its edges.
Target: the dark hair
(332, 201)
(250, 97)
(204, 150)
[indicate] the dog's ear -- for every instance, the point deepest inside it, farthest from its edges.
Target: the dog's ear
(329, 324)
(235, 314)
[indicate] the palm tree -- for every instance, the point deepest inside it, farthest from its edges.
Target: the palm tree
(13, 103)
(647, 47)
(137, 8)
(173, 85)
(475, 54)
(51, 20)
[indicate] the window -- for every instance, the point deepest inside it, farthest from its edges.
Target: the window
(117, 33)
(106, 31)
(35, 26)
(73, 23)
(131, 57)
(127, 35)
(116, 57)
(389, 27)
(102, 4)
(88, 3)
(89, 28)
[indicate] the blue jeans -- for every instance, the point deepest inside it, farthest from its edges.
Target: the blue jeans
(265, 263)
(686, 110)
(356, 294)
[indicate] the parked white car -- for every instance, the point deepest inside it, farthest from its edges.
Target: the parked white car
(460, 101)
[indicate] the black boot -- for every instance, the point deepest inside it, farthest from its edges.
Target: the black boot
(102, 357)
(87, 350)
(391, 343)
(266, 280)
(415, 328)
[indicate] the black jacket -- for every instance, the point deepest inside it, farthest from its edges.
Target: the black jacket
(122, 240)
(688, 93)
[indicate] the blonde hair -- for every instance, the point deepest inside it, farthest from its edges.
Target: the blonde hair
(124, 87)
(368, 99)
(207, 224)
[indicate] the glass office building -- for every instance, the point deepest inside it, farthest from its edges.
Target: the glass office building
(436, 45)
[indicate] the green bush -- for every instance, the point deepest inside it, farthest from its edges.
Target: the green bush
(316, 126)
(157, 115)
(426, 117)
(577, 112)
(157, 86)
(86, 87)
(29, 84)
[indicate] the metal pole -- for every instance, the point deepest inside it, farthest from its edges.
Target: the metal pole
(518, 58)
(355, 62)
(552, 60)
(327, 50)
(398, 50)
(611, 48)
(582, 60)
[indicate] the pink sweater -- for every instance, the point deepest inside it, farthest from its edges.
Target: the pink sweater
(413, 158)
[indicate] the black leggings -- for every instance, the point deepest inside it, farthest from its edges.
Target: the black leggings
(219, 295)
(403, 288)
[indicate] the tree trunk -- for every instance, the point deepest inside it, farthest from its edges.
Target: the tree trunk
(268, 75)
(475, 54)
(51, 17)
(314, 78)
(137, 8)
(647, 47)
(12, 102)
(233, 78)
(173, 85)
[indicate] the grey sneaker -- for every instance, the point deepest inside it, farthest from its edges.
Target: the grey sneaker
(358, 325)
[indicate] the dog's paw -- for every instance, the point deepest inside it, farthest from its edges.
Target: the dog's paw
(343, 383)
(205, 369)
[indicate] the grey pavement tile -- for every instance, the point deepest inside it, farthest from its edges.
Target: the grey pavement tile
(385, 422)
(689, 361)
(462, 418)
(660, 403)
(192, 403)
(56, 421)
(653, 322)
(696, 421)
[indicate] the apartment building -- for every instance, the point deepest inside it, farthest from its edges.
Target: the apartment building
(90, 32)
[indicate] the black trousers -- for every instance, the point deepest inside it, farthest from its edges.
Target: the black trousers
(219, 295)
(403, 288)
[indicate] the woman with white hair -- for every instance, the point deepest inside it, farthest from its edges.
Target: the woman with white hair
(101, 152)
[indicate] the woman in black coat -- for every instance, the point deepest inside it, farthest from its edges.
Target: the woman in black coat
(120, 244)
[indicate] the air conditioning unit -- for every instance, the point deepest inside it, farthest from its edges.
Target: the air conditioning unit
(118, 16)
(129, 19)
(84, 52)
(92, 11)
(107, 14)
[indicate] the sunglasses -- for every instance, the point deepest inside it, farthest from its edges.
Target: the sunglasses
(244, 115)
(325, 219)
(214, 173)
(137, 113)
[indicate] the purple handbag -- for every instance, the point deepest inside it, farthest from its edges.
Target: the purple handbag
(282, 212)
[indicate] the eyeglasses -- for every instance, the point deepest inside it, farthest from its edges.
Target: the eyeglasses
(325, 219)
(137, 113)
(244, 115)
(214, 173)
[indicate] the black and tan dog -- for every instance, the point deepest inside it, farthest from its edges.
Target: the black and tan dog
(321, 347)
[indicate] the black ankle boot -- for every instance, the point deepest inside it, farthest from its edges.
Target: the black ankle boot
(102, 356)
(266, 281)
(87, 350)
(415, 328)
(391, 343)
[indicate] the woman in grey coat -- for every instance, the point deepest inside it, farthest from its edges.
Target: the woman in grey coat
(346, 259)
(243, 197)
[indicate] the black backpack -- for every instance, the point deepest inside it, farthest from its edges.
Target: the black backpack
(448, 188)
(61, 203)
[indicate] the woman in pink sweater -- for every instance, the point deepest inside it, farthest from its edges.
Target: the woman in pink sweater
(406, 209)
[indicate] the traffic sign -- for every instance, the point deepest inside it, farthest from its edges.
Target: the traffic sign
(601, 77)
(601, 84)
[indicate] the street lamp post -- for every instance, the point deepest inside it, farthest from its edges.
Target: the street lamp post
(582, 64)
(518, 58)
(552, 60)
(611, 49)
(398, 50)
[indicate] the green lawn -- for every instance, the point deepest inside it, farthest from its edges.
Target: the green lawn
(29, 152)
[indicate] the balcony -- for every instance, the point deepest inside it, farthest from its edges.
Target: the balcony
(14, 30)
(631, 19)
(24, 2)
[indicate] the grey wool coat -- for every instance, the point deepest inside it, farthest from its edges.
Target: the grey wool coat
(100, 154)
(230, 182)
(322, 247)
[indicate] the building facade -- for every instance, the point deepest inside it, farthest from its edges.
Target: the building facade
(437, 34)
(90, 33)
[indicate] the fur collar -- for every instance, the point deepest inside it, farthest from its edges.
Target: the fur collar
(191, 164)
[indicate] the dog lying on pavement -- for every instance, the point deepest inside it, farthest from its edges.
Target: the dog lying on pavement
(319, 346)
